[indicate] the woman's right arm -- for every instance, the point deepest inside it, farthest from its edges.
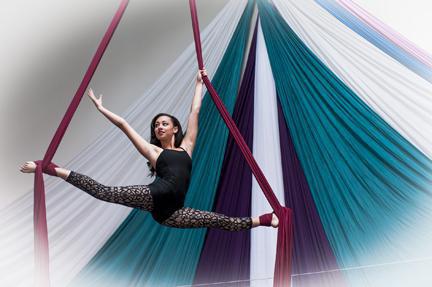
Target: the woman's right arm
(144, 147)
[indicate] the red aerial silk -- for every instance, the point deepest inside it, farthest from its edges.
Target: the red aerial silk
(282, 275)
(41, 248)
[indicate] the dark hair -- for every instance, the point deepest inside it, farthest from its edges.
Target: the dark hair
(178, 138)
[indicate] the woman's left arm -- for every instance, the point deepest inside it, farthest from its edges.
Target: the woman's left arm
(192, 127)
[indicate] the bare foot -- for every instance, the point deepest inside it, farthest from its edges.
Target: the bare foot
(28, 167)
(275, 221)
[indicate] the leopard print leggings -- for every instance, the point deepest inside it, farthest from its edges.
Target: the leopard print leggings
(139, 196)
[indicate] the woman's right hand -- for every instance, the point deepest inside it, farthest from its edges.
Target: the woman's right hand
(200, 75)
(96, 101)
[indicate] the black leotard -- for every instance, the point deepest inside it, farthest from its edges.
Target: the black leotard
(173, 170)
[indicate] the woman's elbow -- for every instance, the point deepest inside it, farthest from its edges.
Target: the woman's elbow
(195, 110)
(121, 123)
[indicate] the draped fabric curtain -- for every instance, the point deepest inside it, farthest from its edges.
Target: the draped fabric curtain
(312, 250)
(364, 176)
(225, 255)
(78, 224)
(396, 94)
(338, 114)
(386, 31)
(266, 150)
(379, 40)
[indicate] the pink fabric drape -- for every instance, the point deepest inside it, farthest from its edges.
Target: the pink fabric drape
(386, 31)
(41, 245)
(282, 275)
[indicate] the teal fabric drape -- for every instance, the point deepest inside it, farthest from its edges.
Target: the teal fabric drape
(143, 253)
(369, 184)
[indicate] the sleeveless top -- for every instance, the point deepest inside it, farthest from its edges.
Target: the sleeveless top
(173, 172)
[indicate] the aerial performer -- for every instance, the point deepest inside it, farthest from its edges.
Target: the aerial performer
(169, 155)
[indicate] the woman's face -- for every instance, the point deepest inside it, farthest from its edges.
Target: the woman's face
(164, 128)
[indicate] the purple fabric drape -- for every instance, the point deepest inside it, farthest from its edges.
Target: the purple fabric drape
(226, 255)
(41, 245)
(282, 275)
(312, 251)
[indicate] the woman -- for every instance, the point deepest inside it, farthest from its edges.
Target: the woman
(169, 154)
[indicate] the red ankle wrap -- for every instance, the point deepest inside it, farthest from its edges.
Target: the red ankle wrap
(50, 169)
(266, 219)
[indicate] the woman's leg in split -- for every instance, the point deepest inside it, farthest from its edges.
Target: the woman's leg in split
(139, 196)
(187, 217)
(136, 196)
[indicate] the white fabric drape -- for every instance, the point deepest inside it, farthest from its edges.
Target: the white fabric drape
(78, 224)
(266, 150)
(398, 95)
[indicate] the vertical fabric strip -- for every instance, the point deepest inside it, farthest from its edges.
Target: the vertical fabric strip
(283, 259)
(312, 251)
(226, 255)
(40, 223)
(267, 152)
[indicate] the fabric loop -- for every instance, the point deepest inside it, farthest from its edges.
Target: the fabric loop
(49, 169)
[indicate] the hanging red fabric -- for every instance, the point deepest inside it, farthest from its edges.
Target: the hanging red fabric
(41, 245)
(282, 275)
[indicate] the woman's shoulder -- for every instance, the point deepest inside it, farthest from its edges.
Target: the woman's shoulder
(188, 146)
(186, 149)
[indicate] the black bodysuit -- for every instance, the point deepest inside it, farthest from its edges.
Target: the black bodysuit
(173, 170)
(165, 197)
